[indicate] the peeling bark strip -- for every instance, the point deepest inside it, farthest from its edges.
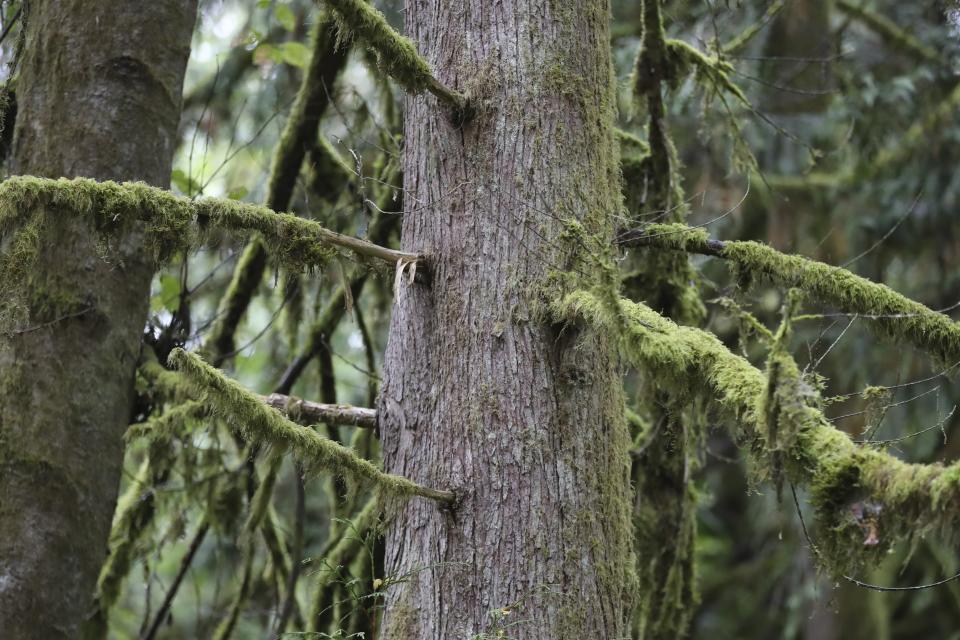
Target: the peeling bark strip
(98, 96)
(481, 393)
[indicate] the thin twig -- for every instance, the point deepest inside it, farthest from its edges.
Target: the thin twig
(175, 585)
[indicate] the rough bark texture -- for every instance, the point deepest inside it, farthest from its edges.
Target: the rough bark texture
(99, 96)
(482, 394)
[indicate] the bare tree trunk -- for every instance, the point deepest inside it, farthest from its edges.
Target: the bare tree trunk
(482, 393)
(99, 95)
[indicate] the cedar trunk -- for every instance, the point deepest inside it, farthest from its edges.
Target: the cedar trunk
(99, 95)
(483, 394)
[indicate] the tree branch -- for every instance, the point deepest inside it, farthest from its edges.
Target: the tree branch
(175, 223)
(892, 34)
(265, 425)
(895, 314)
(912, 498)
(307, 412)
(396, 54)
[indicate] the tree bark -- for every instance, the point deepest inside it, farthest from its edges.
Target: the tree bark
(482, 393)
(99, 96)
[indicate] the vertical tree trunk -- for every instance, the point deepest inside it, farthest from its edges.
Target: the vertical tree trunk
(99, 96)
(482, 394)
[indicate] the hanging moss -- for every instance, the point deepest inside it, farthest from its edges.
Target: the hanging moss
(909, 499)
(134, 510)
(260, 423)
(666, 501)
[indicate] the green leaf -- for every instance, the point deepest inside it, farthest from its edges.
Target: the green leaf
(238, 193)
(169, 292)
(295, 54)
(184, 183)
(284, 15)
(265, 53)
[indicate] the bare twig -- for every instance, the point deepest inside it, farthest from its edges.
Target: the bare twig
(305, 411)
(178, 579)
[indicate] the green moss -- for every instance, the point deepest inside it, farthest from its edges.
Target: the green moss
(908, 499)
(683, 59)
(170, 223)
(888, 312)
(134, 510)
(262, 424)
(397, 54)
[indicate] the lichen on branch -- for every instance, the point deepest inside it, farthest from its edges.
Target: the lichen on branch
(258, 422)
(911, 499)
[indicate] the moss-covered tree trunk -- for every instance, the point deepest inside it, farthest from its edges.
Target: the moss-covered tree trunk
(482, 394)
(99, 95)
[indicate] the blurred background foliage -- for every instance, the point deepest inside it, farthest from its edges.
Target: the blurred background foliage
(847, 153)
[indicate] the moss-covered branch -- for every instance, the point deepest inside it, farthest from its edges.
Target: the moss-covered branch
(174, 223)
(263, 424)
(893, 314)
(912, 499)
(738, 42)
(685, 59)
(891, 33)
(396, 54)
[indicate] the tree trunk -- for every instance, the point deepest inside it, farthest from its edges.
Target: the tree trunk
(99, 95)
(483, 394)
